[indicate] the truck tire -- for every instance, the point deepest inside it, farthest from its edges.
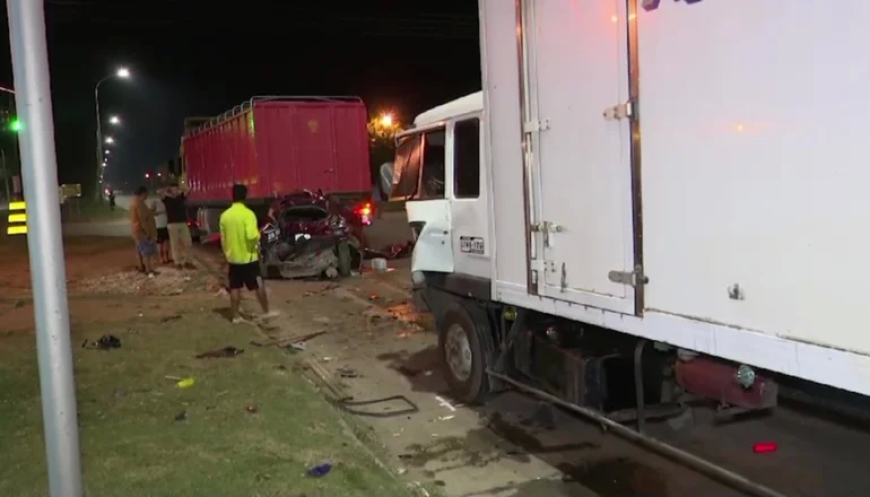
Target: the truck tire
(464, 348)
(344, 259)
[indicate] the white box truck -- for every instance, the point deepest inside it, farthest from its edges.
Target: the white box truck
(648, 202)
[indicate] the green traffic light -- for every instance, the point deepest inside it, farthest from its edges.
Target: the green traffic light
(15, 125)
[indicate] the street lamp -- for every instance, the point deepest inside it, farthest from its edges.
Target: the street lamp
(107, 152)
(120, 73)
(387, 120)
(109, 140)
(115, 120)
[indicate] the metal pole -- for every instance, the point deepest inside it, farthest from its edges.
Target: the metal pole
(98, 179)
(45, 246)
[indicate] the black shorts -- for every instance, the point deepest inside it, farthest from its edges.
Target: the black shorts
(244, 275)
(162, 235)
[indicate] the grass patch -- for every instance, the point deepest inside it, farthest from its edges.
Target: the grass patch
(132, 444)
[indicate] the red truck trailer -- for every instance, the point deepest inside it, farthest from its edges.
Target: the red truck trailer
(275, 146)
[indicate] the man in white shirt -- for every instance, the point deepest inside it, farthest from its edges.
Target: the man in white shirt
(162, 232)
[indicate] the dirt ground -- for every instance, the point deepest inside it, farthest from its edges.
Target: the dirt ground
(101, 279)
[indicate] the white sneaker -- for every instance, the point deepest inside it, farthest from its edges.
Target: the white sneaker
(269, 315)
(239, 320)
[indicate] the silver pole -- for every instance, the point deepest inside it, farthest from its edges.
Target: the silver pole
(45, 246)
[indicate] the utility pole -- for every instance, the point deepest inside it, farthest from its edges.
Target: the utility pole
(45, 246)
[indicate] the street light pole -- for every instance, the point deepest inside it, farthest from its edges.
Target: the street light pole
(120, 73)
(99, 178)
(45, 246)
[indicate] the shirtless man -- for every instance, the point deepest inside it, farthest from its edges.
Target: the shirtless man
(144, 230)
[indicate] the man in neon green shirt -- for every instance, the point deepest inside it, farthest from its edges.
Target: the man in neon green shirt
(240, 239)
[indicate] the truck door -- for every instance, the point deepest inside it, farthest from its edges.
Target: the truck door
(576, 64)
(469, 213)
(419, 173)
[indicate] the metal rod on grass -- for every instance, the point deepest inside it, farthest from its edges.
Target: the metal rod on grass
(45, 246)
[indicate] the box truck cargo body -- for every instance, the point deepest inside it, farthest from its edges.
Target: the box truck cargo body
(688, 175)
(277, 145)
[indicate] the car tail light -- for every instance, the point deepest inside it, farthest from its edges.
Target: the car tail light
(365, 211)
(192, 224)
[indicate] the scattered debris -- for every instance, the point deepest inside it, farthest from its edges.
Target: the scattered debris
(106, 342)
(393, 251)
(444, 403)
(446, 418)
(289, 340)
(301, 346)
(185, 383)
(422, 492)
(167, 319)
(170, 281)
(402, 471)
(221, 353)
(347, 372)
(379, 264)
(338, 392)
(181, 416)
(320, 470)
(251, 409)
(764, 447)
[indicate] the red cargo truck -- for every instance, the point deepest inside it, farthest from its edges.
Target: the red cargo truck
(275, 146)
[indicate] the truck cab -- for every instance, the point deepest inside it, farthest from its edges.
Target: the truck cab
(439, 170)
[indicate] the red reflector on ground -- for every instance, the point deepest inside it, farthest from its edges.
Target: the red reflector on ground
(764, 447)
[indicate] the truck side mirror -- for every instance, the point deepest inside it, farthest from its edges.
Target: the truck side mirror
(386, 179)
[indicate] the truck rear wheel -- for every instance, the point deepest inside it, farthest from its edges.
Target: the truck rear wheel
(463, 355)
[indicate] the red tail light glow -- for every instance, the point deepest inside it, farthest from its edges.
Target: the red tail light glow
(364, 211)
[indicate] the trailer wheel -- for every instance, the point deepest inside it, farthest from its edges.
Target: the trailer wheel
(344, 259)
(463, 355)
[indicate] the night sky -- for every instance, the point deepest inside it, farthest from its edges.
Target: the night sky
(192, 58)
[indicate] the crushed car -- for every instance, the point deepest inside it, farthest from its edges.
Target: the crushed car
(308, 234)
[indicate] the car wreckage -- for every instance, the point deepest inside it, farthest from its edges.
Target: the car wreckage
(308, 234)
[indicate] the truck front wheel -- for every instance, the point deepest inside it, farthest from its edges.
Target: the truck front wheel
(462, 349)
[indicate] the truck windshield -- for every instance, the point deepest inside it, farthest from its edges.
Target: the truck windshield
(406, 168)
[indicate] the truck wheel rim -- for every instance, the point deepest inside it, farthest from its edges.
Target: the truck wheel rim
(458, 352)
